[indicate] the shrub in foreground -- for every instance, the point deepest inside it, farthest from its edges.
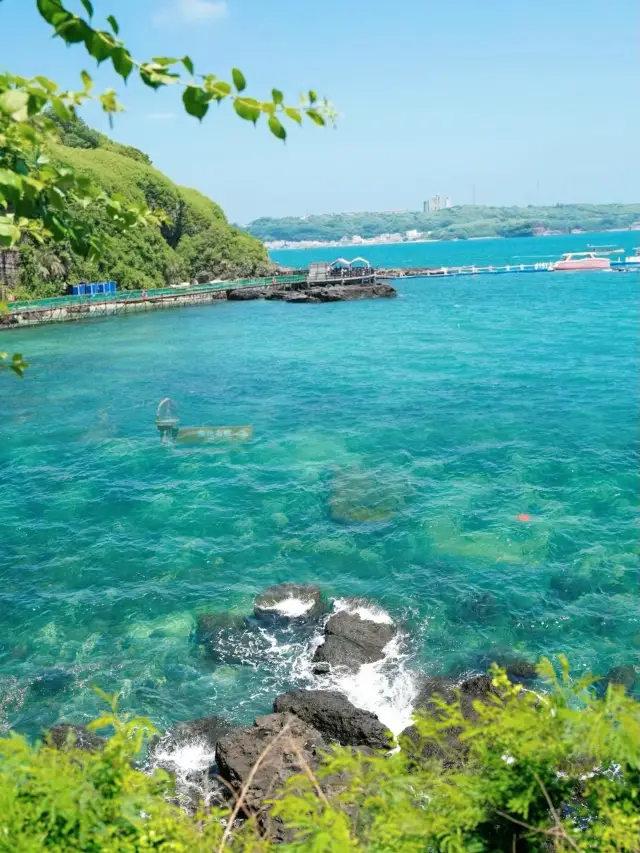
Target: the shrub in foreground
(524, 772)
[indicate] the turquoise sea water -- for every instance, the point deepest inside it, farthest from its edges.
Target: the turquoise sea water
(444, 414)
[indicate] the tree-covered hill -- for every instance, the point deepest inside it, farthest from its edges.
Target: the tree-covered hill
(460, 222)
(196, 240)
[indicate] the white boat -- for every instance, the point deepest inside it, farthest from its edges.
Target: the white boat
(582, 261)
(633, 259)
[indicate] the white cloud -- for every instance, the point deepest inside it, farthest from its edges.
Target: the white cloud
(191, 12)
(162, 116)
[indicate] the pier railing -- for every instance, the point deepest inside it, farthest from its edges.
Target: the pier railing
(151, 294)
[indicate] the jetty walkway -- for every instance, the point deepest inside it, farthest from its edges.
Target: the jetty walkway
(340, 274)
(470, 269)
(63, 309)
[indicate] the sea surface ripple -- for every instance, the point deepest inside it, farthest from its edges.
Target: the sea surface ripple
(395, 445)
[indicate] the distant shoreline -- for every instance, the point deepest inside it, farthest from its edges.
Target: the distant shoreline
(305, 244)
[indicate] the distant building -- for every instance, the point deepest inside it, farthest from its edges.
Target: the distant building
(448, 202)
(414, 234)
(434, 204)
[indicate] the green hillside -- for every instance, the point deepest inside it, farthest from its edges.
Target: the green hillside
(196, 242)
(460, 222)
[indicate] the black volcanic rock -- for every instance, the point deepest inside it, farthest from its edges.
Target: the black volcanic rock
(335, 717)
(351, 641)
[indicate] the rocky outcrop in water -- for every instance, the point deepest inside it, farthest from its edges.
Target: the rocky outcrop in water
(477, 688)
(244, 294)
(335, 293)
(335, 718)
(278, 741)
(287, 601)
(351, 641)
(451, 750)
(339, 293)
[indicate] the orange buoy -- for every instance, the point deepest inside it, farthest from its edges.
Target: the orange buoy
(523, 517)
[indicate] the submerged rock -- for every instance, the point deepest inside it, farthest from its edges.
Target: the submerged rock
(226, 638)
(237, 754)
(70, 736)
(335, 717)
(290, 601)
(351, 641)
(520, 669)
(210, 624)
(51, 682)
(624, 676)
(361, 497)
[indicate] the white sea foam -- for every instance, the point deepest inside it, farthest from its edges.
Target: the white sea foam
(365, 610)
(189, 762)
(185, 758)
(386, 687)
(291, 607)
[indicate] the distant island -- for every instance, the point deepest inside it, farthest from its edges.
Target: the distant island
(466, 222)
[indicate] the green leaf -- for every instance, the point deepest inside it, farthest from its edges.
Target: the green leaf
(277, 96)
(101, 45)
(275, 126)
(47, 84)
(293, 114)
(316, 118)
(312, 96)
(74, 30)
(52, 11)
(122, 62)
(188, 64)
(247, 109)
(113, 24)
(219, 89)
(86, 79)
(238, 79)
(196, 101)
(87, 5)
(9, 234)
(164, 60)
(15, 102)
(60, 109)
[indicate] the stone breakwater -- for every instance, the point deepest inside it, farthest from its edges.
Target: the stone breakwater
(356, 692)
(58, 311)
(333, 293)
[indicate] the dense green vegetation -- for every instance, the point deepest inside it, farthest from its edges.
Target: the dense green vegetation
(461, 222)
(194, 241)
(522, 772)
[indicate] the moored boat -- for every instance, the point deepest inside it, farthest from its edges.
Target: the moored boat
(582, 261)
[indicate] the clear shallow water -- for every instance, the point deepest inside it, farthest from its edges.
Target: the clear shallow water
(444, 414)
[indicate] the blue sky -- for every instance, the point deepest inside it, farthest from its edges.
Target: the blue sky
(530, 101)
